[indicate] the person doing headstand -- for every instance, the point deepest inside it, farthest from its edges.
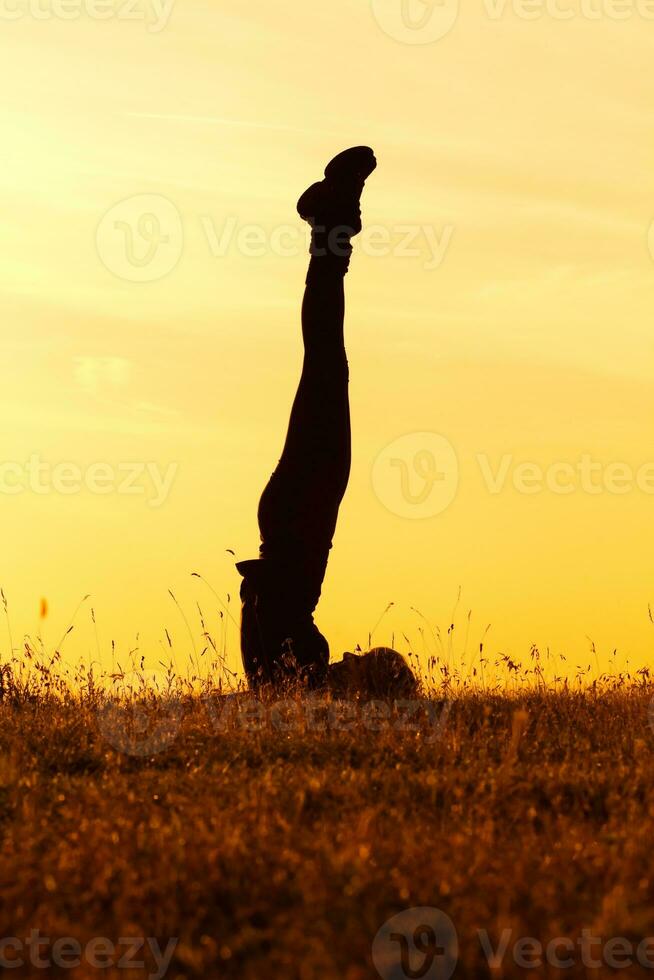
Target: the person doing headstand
(298, 509)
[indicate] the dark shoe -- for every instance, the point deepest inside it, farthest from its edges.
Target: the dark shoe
(332, 206)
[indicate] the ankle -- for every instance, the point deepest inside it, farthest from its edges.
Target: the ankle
(334, 241)
(326, 268)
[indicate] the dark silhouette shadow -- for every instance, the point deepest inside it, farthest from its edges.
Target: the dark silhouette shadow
(299, 507)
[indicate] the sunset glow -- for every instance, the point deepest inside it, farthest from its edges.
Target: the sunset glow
(499, 299)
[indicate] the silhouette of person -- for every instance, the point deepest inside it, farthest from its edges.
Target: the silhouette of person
(299, 507)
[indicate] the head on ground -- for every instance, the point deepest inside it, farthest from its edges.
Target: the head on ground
(380, 673)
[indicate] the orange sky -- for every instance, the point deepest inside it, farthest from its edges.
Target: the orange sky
(499, 304)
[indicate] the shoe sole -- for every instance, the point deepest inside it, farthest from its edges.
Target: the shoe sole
(357, 162)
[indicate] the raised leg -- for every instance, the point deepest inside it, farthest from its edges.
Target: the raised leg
(299, 507)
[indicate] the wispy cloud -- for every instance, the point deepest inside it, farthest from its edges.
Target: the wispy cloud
(221, 121)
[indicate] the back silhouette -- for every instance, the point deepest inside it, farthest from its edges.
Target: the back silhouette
(299, 506)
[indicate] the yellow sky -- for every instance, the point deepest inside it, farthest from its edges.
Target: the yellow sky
(502, 300)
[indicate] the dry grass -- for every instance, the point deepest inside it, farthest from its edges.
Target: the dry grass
(278, 851)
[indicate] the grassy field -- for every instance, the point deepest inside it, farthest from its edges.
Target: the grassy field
(268, 840)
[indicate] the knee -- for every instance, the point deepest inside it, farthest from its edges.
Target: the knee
(328, 369)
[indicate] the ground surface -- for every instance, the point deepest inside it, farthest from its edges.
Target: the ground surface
(276, 844)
